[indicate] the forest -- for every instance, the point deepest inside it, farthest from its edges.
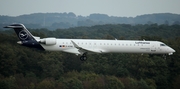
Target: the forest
(28, 68)
(53, 21)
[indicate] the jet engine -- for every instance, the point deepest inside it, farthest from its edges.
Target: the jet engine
(48, 41)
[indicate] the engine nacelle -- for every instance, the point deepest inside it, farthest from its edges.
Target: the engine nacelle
(48, 41)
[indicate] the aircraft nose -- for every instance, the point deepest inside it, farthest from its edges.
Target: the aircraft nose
(171, 51)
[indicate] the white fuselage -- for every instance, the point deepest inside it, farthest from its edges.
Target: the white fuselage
(109, 46)
(84, 46)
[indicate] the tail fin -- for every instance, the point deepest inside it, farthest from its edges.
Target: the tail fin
(25, 37)
(21, 31)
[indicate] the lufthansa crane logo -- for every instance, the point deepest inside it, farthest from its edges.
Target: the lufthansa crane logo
(23, 35)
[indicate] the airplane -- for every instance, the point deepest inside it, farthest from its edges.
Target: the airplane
(89, 46)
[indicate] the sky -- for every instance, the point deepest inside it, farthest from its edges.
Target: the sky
(120, 8)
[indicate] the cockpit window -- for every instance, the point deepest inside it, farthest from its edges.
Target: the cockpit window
(162, 45)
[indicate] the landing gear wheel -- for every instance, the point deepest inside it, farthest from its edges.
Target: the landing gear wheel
(83, 58)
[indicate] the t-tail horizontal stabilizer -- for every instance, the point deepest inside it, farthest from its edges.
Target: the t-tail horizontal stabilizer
(21, 31)
(25, 37)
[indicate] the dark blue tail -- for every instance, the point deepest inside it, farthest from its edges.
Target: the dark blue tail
(21, 31)
(25, 37)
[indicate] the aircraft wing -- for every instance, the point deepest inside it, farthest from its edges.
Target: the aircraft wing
(84, 50)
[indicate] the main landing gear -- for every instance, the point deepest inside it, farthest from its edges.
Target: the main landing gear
(83, 57)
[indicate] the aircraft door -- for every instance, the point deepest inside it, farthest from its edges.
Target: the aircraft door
(153, 47)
